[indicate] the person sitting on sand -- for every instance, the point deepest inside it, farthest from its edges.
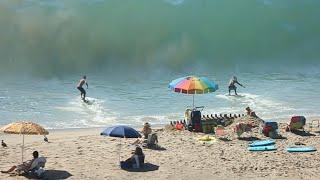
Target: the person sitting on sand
(25, 166)
(250, 112)
(232, 85)
(146, 130)
(135, 161)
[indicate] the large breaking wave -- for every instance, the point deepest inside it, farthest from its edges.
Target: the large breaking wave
(60, 36)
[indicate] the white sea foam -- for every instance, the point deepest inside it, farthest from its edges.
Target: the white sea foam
(266, 107)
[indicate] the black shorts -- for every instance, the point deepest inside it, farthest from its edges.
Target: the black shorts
(81, 90)
(232, 87)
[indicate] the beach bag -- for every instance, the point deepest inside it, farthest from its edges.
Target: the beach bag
(179, 126)
(272, 124)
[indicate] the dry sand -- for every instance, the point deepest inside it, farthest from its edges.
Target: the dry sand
(84, 154)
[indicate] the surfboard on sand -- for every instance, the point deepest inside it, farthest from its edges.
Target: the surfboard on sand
(263, 148)
(301, 149)
(266, 142)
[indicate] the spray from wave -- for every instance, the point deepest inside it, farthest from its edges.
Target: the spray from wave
(51, 37)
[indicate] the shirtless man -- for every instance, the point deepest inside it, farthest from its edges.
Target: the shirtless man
(232, 85)
(80, 88)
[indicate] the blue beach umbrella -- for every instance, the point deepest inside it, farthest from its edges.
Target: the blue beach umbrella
(121, 132)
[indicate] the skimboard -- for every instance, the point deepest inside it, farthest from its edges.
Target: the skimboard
(266, 142)
(301, 149)
(89, 102)
(262, 148)
(236, 96)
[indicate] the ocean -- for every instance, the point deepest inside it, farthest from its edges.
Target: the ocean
(131, 50)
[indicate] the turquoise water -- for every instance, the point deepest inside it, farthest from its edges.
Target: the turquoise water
(135, 99)
(131, 50)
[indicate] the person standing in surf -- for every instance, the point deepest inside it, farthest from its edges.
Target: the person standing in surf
(232, 85)
(81, 89)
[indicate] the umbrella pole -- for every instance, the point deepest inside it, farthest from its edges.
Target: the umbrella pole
(193, 101)
(22, 147)
(120, 153)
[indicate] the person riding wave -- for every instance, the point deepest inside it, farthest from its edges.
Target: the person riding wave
(81, 89)
(232, 85)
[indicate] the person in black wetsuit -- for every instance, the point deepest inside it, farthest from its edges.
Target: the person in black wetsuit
(232, 85)
(81, 89)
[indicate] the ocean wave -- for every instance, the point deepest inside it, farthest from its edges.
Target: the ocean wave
(56, 37)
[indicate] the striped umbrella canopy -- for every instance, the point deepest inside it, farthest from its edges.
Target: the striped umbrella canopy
(24, 128)
(193, 85)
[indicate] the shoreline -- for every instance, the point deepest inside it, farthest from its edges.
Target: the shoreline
(157, 126)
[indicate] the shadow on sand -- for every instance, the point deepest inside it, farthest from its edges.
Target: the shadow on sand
(146, 168)
(157, 148)
(50, 175)
(224, 139)
(302, 133)
(248, 138)
(56, 174)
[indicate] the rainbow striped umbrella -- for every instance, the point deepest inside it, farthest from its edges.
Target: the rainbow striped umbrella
(193, 85)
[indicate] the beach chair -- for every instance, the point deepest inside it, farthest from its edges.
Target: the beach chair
(314, 124)
(297, 123)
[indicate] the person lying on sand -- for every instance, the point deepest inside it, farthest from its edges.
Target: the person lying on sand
(25, 166)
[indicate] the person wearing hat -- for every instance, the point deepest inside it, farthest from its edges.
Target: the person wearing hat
(146, 130)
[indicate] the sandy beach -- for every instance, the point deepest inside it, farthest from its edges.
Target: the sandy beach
(85, 154)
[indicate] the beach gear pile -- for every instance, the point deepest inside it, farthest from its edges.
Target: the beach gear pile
(270, 129)
(241, 128)
(206, 124)
(296, 123)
